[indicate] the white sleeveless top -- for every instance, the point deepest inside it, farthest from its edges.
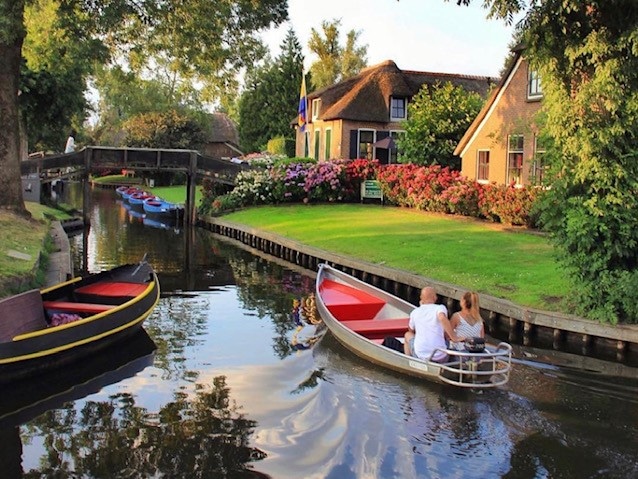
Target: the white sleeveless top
(466, 330)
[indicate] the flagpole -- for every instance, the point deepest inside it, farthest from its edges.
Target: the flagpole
(302, 119)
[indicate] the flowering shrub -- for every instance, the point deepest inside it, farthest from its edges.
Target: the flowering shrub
(429, 188)
(462, 198)
(326, 181)
(509, 204)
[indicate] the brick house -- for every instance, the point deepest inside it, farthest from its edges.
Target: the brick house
(346, 119)
(502, 143)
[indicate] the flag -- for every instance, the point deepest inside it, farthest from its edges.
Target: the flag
(303, 106)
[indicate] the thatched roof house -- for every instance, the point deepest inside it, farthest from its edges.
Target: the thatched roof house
(223, 140)
(345, 120)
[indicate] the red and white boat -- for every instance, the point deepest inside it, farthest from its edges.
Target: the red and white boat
(360, 316)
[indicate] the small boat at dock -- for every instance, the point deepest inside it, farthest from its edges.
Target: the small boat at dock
(45, 329)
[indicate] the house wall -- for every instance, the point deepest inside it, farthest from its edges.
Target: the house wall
(511, 114)
(341, 137)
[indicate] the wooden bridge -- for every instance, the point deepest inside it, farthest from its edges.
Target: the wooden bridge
(93, 158)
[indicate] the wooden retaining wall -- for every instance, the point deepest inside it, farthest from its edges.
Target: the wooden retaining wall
(504, 319)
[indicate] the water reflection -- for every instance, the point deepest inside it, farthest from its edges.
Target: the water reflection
(240, 386)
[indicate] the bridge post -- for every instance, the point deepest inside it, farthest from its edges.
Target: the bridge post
(191, 190)
(86, 193)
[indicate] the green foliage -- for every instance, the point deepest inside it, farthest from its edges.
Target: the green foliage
(277, 146)
(164, 130)
(271, 98)
(438, 116)
(335, 62)
(590, 85)
(58, 57)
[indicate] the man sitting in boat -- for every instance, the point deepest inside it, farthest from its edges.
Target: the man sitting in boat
(427, 328)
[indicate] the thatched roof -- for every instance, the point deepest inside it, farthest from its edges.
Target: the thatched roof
(366, 96)
(223, 129)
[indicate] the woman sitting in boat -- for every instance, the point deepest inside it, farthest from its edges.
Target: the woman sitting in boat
(427, 328)
(467, 322)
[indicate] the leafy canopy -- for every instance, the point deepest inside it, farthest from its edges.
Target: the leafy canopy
(438, 116)
(335, 62)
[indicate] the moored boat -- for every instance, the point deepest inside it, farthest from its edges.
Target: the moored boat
(138, 198)
(159, 206)
(361, 315)
(126, 192)
(40, 330)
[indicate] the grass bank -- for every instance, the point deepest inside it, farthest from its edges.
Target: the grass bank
(515, 265)
(21, 243)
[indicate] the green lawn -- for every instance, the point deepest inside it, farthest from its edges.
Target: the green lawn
(512, 264)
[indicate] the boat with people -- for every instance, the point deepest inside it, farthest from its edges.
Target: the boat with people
(44, 329)
(361, 316)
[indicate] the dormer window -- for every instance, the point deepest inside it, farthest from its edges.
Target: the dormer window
(316, 108)
(398, 110)
(534, 90)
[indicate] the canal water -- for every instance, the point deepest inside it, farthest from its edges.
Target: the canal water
(235, 377)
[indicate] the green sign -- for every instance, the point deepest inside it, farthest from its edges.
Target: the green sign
(371, 189)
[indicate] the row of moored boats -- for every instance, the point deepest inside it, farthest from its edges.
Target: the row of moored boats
(150, 203)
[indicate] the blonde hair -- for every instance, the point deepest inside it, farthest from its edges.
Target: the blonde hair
(471, 301)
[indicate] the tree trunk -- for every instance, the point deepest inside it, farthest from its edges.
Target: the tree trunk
(11, 38)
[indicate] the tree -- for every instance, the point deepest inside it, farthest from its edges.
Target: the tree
(586, 52)
(335, 62)
(438, 116)
(58, 57)
(203, 39)
(271, 98)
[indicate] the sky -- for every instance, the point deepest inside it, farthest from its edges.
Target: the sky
(421, 35)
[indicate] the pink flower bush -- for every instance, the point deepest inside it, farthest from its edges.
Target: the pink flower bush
(428, 188)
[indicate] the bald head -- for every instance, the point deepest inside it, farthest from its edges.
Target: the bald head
(428, 295)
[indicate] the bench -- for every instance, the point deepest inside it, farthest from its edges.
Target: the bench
(378, 328)
(73, 307)
(113, 289)
(348, 303)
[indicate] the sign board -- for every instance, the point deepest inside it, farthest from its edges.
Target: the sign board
(371, 189)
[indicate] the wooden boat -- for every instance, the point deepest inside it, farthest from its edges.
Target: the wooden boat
(126, 192)
(138, 198)
(158, 206)
(33, 396)
(45, 329)
(360, 316)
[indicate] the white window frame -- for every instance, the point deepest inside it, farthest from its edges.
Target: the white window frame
(405, 108)
(537, 168)
(534, 87)
(478, 166)
(515, 151)
(316, 108)
(370, 154)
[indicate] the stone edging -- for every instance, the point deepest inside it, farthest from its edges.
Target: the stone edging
(503, 308)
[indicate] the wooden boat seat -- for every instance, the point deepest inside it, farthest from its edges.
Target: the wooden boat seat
(113, 289)
(73, 307)
(21, 314)
(348, 303)
(378, 328)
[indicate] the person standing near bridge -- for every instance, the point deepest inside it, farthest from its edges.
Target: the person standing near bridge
(70, 143)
